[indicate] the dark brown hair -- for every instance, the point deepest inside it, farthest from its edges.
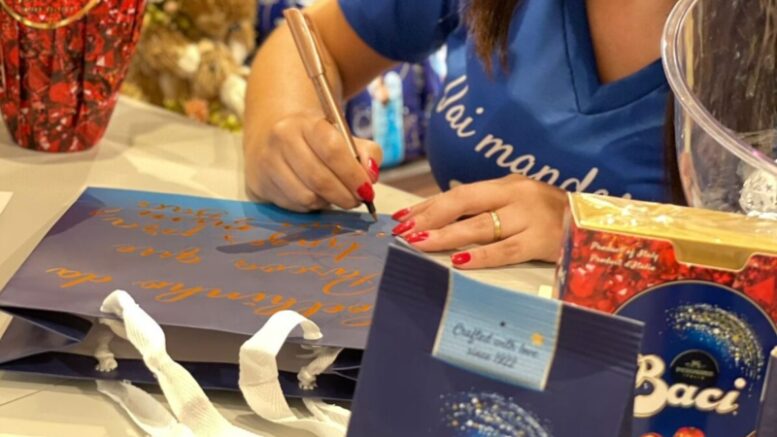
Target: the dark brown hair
(674, 184)
(488, 22)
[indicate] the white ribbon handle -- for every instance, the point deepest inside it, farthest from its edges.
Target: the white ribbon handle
(188, 401)
(259, 377)
(192, 412)
(150, 415)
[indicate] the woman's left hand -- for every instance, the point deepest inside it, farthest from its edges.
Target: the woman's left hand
(531, 215)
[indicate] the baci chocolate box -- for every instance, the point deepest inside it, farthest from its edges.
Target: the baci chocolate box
(703, 282)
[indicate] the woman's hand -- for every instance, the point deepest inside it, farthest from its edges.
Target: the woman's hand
(293, 157)
(531, 215)
(305, 165)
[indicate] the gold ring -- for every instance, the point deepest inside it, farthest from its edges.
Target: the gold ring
(497, 226)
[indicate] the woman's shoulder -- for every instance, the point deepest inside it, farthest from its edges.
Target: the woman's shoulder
(399, 11)
(400, 29)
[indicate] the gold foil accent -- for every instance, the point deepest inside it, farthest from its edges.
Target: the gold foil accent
(699, 236)
(48, 26)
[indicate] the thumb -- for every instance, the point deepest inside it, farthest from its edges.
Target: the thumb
(371, 156)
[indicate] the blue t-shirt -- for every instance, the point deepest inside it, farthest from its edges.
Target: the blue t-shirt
(549, 118)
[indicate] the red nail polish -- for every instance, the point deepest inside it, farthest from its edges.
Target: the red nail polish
(417, 237)
(461, 258)
(365, 192)
(403, 227)
(401, 214)
(374, 170)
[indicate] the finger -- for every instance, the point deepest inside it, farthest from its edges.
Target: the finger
(406, 214)
(280, 199)
(315, 174)
(480, 229)
(371, 157)
(280, 186)
(521, 247)
(271, 194)
(447, 207)
(293, 194)
(307, 168)
(330, 147)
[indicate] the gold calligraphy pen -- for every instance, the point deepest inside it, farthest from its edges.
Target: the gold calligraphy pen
(304, 34)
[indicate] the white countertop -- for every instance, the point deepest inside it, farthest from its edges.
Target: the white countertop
(145, 148)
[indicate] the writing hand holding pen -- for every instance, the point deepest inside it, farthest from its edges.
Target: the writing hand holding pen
(312, 159)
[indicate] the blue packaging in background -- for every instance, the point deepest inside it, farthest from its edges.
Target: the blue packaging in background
(270, 14)
(394, 109)
(450, 356)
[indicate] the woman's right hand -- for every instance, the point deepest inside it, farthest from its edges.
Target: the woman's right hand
(304, 164)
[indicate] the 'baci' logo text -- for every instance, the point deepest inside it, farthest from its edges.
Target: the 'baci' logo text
(651, 375)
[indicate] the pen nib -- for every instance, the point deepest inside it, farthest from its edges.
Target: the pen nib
(371, 208)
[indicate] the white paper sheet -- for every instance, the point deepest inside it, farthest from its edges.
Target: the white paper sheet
(5, 320)
(5, 197)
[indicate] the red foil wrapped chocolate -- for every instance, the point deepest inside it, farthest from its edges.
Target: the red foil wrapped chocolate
(62, 63)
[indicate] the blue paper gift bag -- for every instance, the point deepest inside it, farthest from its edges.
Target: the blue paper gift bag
(449, 356)
(209, 271)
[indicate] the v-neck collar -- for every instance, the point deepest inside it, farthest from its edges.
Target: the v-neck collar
(593, 96)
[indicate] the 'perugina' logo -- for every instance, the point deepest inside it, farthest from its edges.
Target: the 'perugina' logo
(651, 376)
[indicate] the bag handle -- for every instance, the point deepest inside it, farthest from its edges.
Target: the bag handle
(259, 377)
(193, 413)
(150, 415)
(189, 403)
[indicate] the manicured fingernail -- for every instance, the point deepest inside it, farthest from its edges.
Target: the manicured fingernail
(403, 227)
(417, 237)
(401, 214)
(374, 170)
(461, 258)
(365, 192)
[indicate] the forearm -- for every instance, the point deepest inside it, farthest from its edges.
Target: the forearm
(278, 86)
(293, 156)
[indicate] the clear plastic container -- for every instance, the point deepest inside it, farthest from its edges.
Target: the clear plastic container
(720, 57)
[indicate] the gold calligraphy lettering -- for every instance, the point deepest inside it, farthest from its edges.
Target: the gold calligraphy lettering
(78, 277)
(178, 292)
(186, 256)
(343, 283)
(277, 303)
(260, 302)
